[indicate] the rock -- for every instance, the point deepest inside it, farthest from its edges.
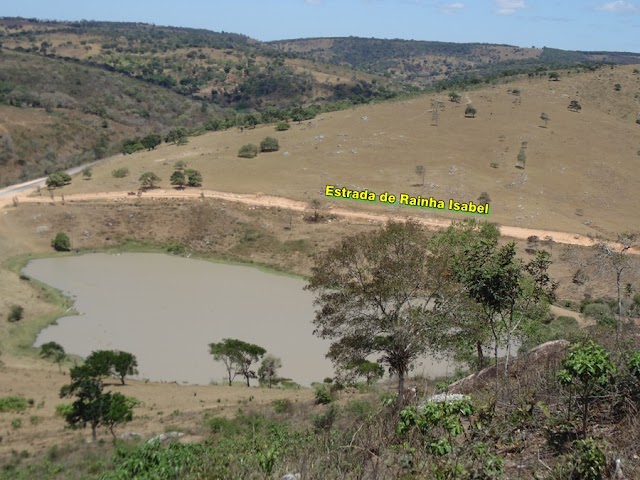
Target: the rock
(543, 357)
(165, 436)
(129, 435)
(291, 476)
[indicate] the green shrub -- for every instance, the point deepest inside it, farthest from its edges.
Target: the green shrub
(323, 395)
(248, 151)
(282, 126)
(282, 405)
(35, 419)
(16, 423)
(16, 312)
(269, 144)
(120, 172)
(324, 421)
(61, 242)
(13, 404)
(64, 409)
(176, 248)
(590, 460)
(601, 312)
(359, 408)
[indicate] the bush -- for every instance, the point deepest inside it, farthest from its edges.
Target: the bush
(325, 421)
(323, 395)
(61, 242)
(590, 460)
(282, 126)
(269, 144)
(15, 313)
(16, 423)
(470, 111)
(120, 172)
(176, 249)
(13, 404)
(248, 151)
(282, 405)
(601, 312)
(64, 409)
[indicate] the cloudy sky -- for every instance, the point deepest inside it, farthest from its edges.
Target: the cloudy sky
(612, 25)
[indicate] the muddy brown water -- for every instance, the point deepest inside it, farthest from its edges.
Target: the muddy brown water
(166, 310)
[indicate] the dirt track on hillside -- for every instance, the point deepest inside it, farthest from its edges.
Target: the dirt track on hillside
(261, 200)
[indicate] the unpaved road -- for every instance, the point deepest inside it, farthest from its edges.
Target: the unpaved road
(295, 205)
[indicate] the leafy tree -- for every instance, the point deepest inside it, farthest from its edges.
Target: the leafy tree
(454, 97)
(132, 145)
(118, 410)
(237, 357)
(102, 363)
(61, 242)
(374, 294)
(16, 313)
(54, 352)
(58, 180)
(269, 144)
(194, 177)
(180, 165)
(99, 363)
(87, 173)
(268, 371)
(554, 76)
(586, 369)
(151, 141)
(248, 151)
(420, 171)
(149, 180)
(545, 118)
(371, 371)
(470, 111)
(178, 179)
(617, 87)
(484, 198)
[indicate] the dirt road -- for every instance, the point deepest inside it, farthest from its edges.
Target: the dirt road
(295, 205)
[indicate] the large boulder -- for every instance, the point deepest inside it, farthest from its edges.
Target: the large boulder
(543, 358)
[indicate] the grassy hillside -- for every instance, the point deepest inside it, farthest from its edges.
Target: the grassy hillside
(580, 168)
(58, 114)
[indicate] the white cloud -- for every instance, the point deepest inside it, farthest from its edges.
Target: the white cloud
(452, 7)
(508, 7)
(618, 6)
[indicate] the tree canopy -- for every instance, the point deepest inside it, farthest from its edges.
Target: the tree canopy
(237, 356)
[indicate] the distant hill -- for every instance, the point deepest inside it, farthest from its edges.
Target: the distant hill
(425, 63)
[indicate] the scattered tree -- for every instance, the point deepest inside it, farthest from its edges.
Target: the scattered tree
(150, 142)
(148, 180)
(16, 312)
(436, 106)
(484, 198)
(282, 126)
(545, 118)
(248, 151)
(554, 76)
(454, 97)
(87, 173)
(53, 351)
(178, 179)
(58, 180)
(237, 356)
(470, 111)
(118, 410)
(420, 171)
(102, 363)
(180, 165)
(268, 371)
(194, 177)
(316, 207)
(617, 87)
(521, 159)
(61, 242)
(371, 371)
(269, 144)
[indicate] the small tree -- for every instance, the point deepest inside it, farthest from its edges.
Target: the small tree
(268, 371)
(61, 242)
(87, 173)
(150, 142)
(484, 198)
(54, 352)
(269, 144)
(521, 159)
(118, 410)
(454, 97)
(316, 206)
(420, 171)
(587, 368)
(180, 165)
(178, 179)
(371, 371)
(123, 364)
(15, 313)
(194, 177)
(617, 87)
(237, 356)
(545, 118)
(58, 180)
(248, 151)
(470, 111)
(120, 172)
(148, 180)
(574, 106)
(554, 76)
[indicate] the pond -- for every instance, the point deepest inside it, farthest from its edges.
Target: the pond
(167, 310)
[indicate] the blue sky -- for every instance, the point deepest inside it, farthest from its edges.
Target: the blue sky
(612, 25)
